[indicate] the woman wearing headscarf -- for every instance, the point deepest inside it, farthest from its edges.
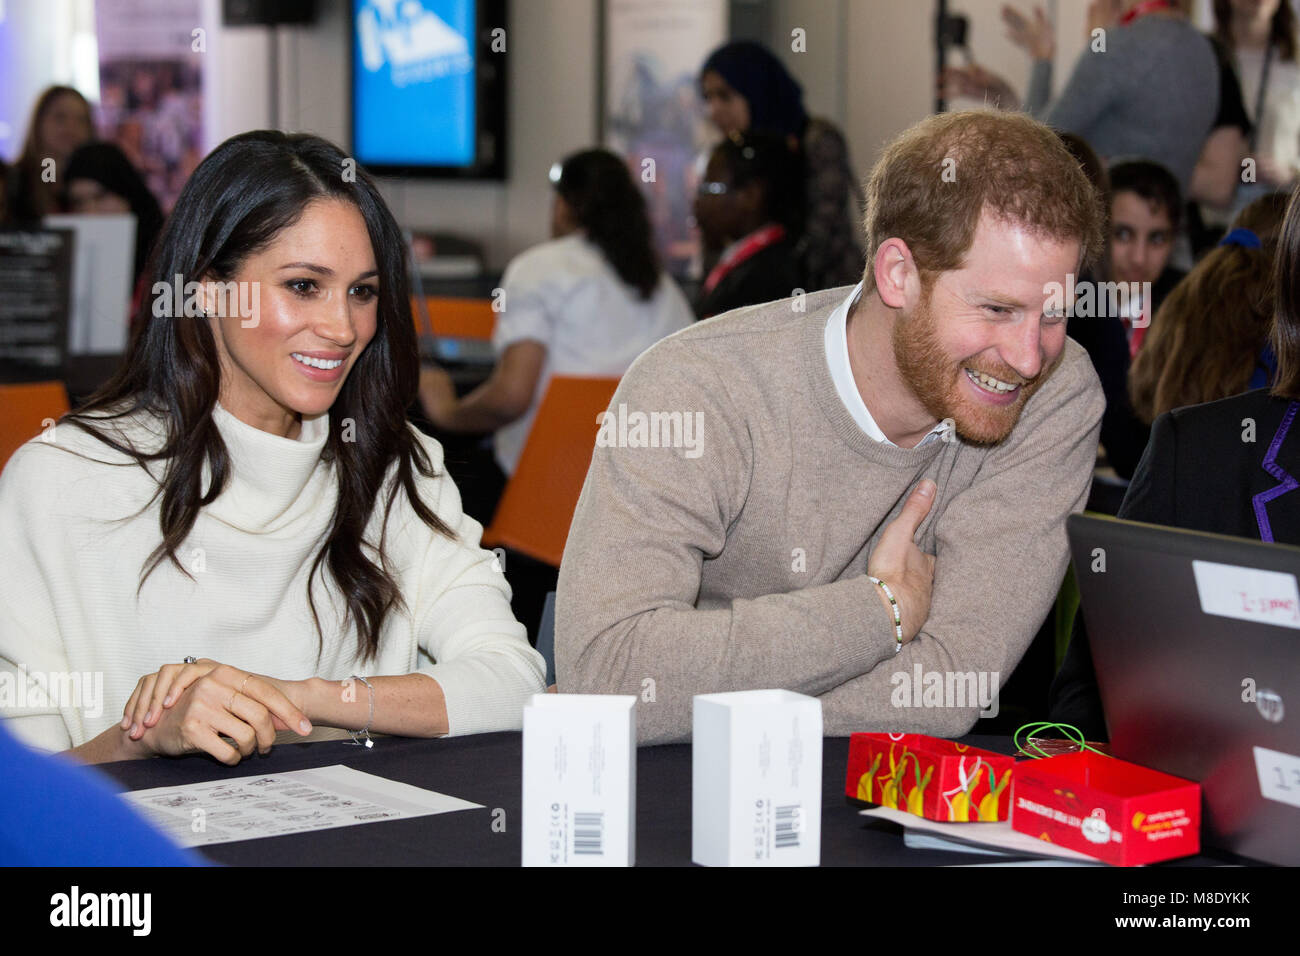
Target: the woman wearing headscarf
(747, 88)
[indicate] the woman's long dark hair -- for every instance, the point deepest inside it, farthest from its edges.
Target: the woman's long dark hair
(236, 202)
(1205, 341)
(606, 203)
(1282, 32)
(1285, 333)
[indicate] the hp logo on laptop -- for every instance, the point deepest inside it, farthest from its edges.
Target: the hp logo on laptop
(1269, 705)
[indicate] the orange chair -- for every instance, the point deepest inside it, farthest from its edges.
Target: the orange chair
(457, 318)
(537, 506)
(25, 410)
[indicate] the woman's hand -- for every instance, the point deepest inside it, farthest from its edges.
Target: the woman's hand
(184, 708)
(1034, 36)
(437, 394)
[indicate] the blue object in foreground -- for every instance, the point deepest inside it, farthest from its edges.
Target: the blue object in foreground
(56, 813)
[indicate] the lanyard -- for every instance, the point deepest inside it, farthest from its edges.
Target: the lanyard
(1148, 6)
(1258, 118)
(748, 247)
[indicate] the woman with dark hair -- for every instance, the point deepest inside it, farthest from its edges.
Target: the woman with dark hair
(60, 123)
(1224, 467)
(100, 179)
(255, 440)
(587, 302)
(1209, 339)
(749, 205)
(1260, 35)
(745, 87)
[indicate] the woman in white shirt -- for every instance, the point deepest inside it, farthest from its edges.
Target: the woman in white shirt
(247, 496)
(587, 302)
(1262, 37)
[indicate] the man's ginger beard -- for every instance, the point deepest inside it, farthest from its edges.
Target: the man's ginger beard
(936, 380)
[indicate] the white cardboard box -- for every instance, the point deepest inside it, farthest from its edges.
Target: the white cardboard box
(756, 779)
(579, 780)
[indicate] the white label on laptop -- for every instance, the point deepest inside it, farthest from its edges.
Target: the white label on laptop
(1279, 776)
(1248, 594)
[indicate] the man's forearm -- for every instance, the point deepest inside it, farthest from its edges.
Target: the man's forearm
(807, 641)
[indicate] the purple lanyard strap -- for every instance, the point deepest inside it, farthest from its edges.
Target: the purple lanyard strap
(1287, 483)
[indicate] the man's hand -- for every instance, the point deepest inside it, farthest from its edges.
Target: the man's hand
(907, 569)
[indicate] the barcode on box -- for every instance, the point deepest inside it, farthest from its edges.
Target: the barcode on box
(588, 834)
(789, 824)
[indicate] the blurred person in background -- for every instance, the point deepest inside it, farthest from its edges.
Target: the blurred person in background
(749, 205)
(587, 302)
(1148, 85)
(61, 121)
(1106, 341)
(101, 180)
(1197, 471)
(745, 87)
(1210, 337)
(1261, 37)
(1143, 215)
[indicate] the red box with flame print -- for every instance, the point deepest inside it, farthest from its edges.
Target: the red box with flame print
(929, 776)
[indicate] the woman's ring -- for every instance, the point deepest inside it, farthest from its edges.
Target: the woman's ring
(191, 660)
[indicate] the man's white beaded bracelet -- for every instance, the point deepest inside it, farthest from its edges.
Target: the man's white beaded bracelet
(898, 614)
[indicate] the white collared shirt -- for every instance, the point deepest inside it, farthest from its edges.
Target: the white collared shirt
(837, 357)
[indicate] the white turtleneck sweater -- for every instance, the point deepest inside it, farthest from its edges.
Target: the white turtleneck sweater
(71, 621)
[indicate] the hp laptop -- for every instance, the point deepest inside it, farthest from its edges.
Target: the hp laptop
(1196, 643)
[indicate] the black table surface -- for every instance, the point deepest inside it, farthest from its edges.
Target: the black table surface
(487, 769)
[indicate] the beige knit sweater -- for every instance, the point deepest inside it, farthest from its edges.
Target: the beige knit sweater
(737, 560)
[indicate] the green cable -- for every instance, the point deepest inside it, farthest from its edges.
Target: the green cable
(1072, 733)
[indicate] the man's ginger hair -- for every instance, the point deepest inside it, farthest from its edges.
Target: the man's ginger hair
(936, 179)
